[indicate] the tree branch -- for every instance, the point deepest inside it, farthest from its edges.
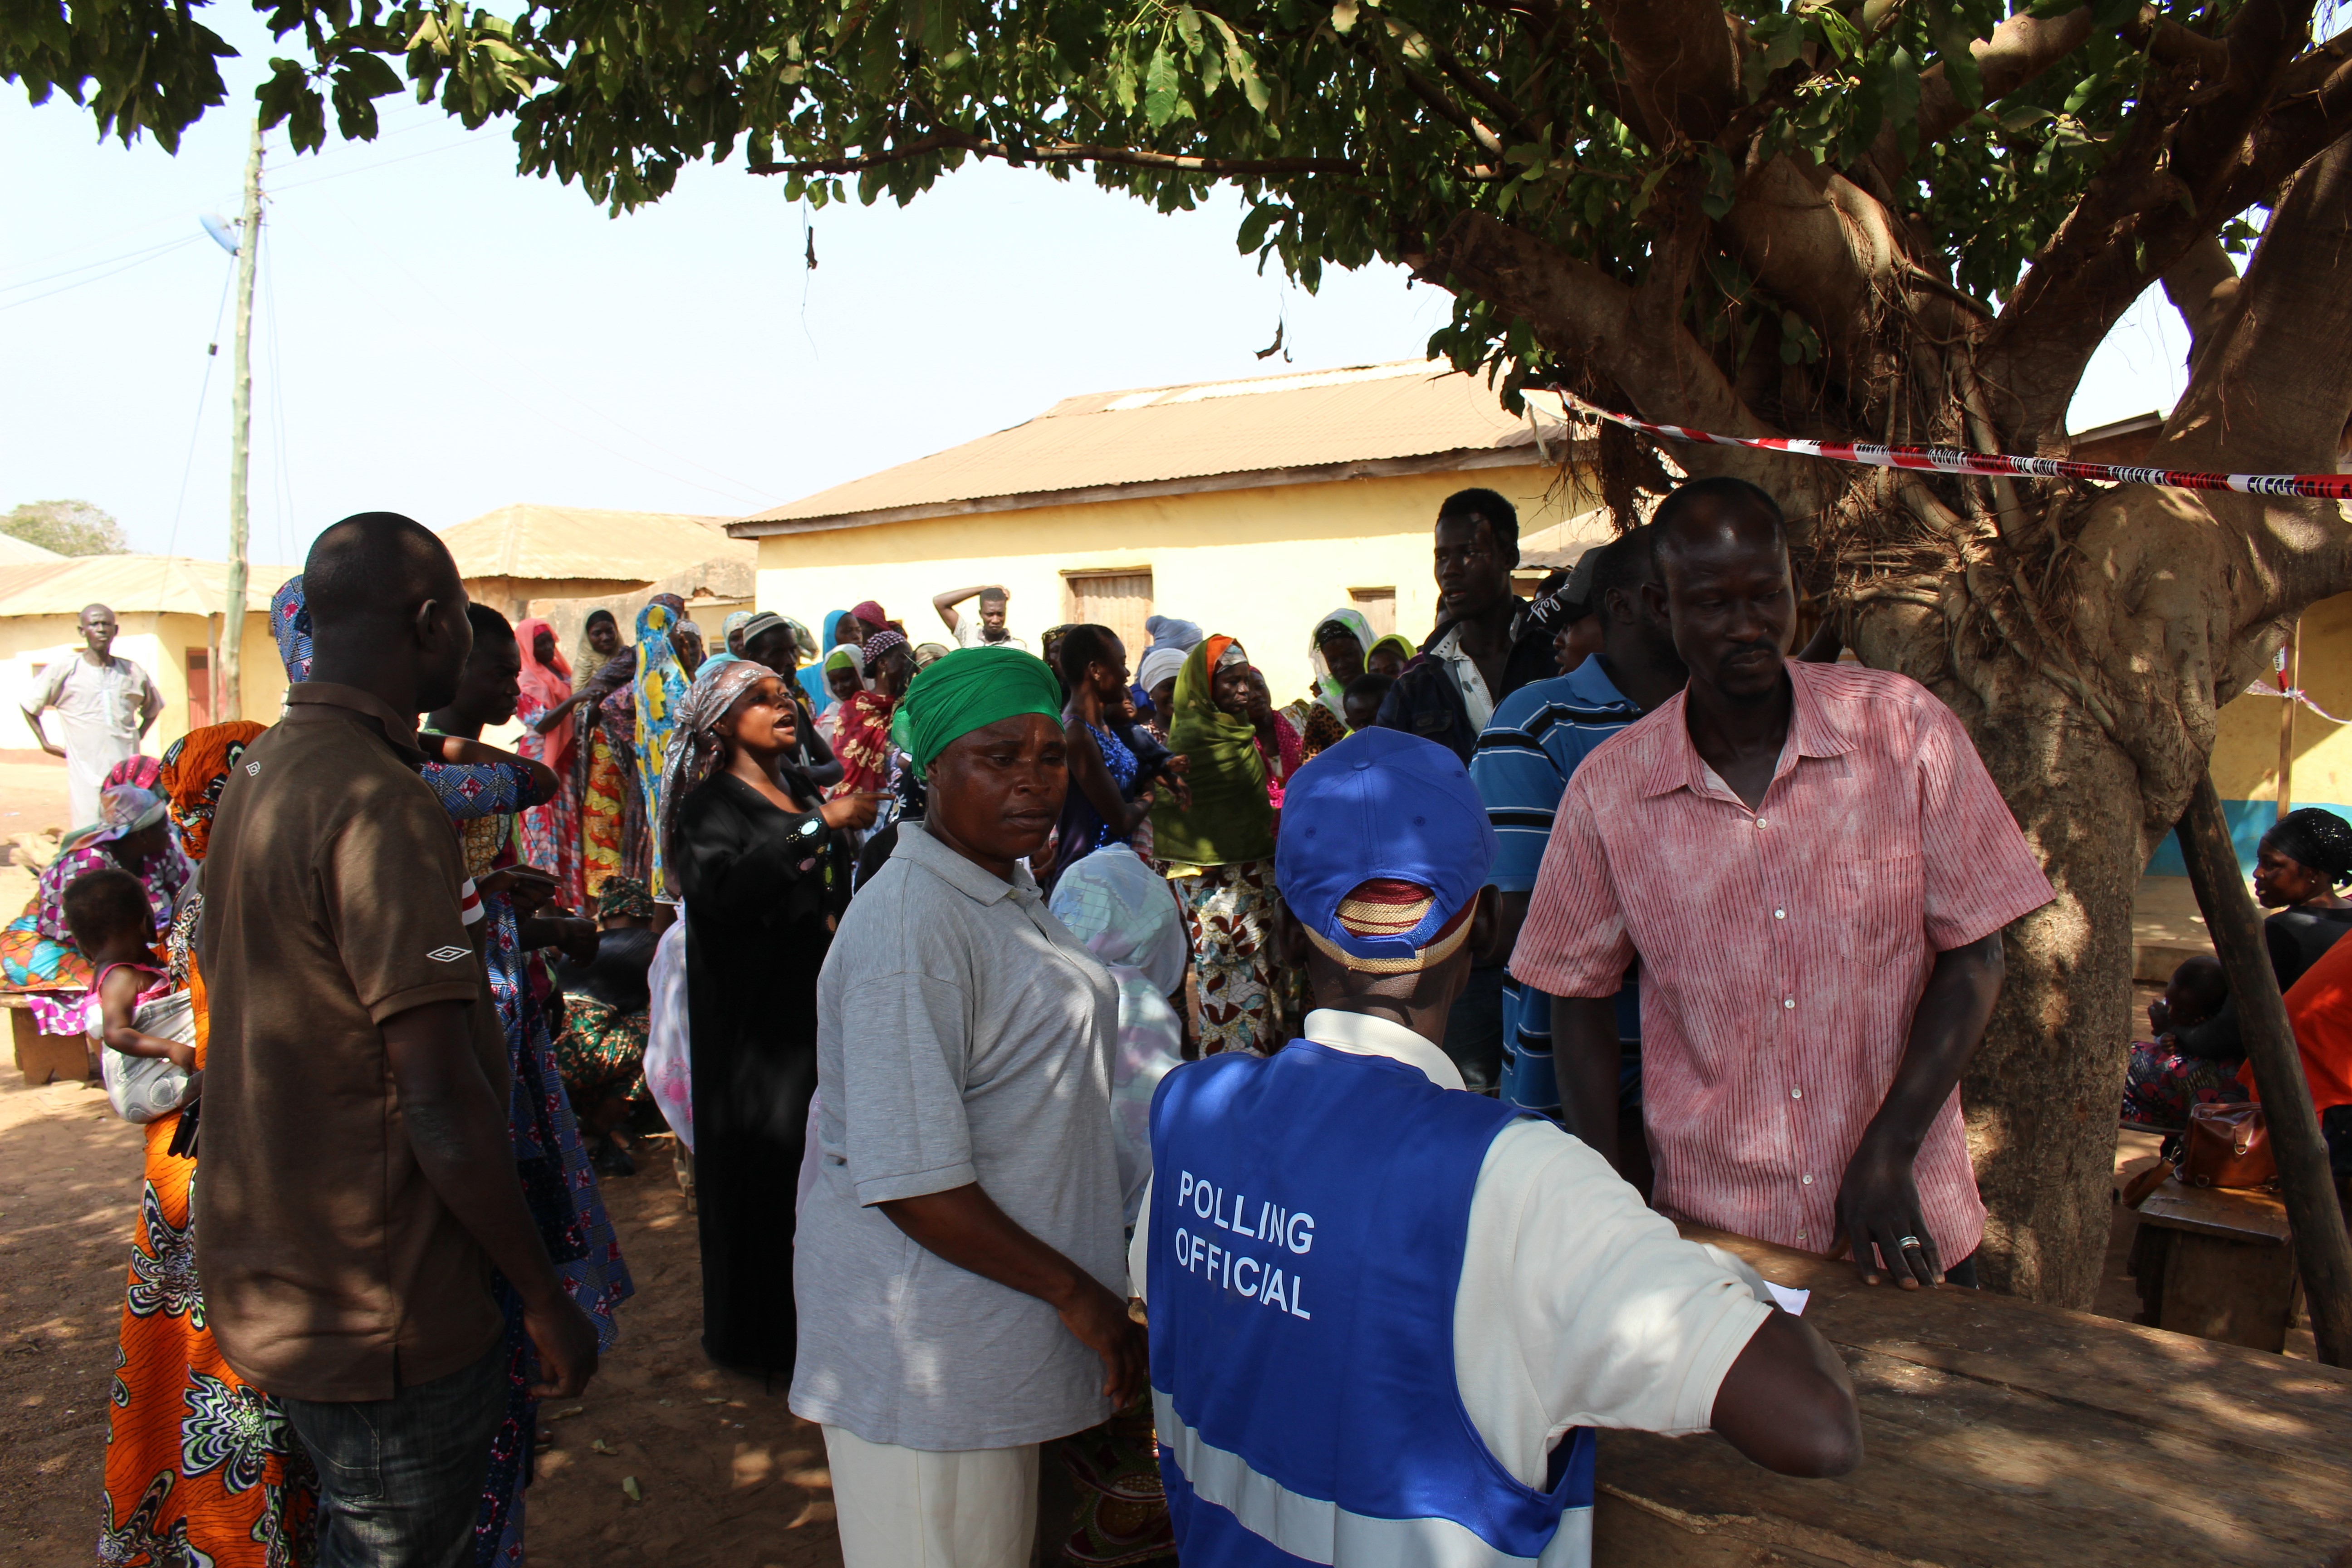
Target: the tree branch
(1057, 152)
(2201, 286)
(2019, 50)
(1682, 62)
(2197, 154)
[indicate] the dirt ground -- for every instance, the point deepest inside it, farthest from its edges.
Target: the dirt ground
(727, 1475)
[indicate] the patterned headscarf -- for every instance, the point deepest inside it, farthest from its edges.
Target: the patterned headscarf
(195, 768)
(138, 769)
(694, 752)
(124, 809)
(661, 694)
(626, 897)
(880, 643)
(289, 622)
(729, 626)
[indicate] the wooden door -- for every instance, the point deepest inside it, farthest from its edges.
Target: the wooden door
(1120, 600)
(199, 688)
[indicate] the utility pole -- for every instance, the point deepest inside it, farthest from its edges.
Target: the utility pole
(240, 452)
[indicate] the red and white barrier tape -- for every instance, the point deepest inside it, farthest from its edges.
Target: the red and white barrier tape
(1951, 460)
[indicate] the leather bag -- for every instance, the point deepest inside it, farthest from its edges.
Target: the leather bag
(2228, 1146)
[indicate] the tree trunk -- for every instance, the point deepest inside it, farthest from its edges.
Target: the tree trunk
(2042, 1095)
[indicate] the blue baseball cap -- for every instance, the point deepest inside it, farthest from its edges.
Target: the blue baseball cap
(1381, 806)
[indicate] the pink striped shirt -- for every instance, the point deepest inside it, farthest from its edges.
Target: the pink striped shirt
(1782, 949)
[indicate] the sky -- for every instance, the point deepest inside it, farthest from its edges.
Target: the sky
(438, 335)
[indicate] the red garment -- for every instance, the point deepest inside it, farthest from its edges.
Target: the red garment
(2319, 1005)
(1783, 949)
(550, 683)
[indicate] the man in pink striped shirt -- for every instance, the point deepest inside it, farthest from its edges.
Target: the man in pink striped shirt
(1814, 870)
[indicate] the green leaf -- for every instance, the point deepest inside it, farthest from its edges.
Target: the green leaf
(1160, 90)
(1721, 183)
(1241, 69)
(1841, 36)
(1960, 68)
(1254, 223)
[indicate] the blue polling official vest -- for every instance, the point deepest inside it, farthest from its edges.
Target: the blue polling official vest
(1309, 1212)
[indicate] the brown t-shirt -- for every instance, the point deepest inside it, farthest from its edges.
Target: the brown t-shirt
(331, 1269)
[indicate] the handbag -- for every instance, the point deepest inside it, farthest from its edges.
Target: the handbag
(142, 1089)
(2228, 1146)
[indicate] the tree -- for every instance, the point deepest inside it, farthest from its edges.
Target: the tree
(67, 526)
(1908, 220)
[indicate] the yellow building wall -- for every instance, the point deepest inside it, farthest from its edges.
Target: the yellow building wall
(158, 644)
(2246, 742)
(1261, 565)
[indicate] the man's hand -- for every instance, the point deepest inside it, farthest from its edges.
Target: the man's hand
(2160, 1017)
(1878, 1205)
(566, 1343)
(1098, 1320)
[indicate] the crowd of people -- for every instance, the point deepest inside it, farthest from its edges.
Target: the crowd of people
(1065, 1048)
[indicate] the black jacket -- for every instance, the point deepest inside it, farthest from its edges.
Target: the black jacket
(1425, 701)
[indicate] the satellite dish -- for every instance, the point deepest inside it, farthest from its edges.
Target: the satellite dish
(224, 233)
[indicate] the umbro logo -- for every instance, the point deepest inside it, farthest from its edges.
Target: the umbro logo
(449, 954)
(253, 770)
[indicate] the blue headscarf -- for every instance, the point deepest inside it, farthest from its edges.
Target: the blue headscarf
(290, 622)
(811, 674)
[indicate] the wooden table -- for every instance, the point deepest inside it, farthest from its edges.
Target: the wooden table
(2216, 1263)
(2001, 1434)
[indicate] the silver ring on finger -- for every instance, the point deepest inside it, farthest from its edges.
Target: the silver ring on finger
(1908, 1242)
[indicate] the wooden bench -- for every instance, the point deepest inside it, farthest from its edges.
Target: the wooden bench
(2001, 1434)
(40, 1057)
(2216, 1262)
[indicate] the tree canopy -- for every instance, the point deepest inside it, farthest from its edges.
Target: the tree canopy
(67, 526)
(1359, 129)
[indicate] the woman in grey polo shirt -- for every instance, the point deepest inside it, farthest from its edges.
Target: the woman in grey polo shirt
(958, 1277)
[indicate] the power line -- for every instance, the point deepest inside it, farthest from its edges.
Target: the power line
(107, 262)
(212, 353)
(142, 261)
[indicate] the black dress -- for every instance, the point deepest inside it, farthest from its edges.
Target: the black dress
(754, 882)
(2295, 939)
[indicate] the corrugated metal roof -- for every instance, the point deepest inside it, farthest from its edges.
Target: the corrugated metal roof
(15, 551)
(1311, 420)
(573, 543)
(131, 585)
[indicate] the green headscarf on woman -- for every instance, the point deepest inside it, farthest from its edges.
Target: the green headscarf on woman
(1231, 820)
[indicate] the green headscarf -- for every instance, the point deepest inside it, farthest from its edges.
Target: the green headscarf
(970, 689)
(1231, 820)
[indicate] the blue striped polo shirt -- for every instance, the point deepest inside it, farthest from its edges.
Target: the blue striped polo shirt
(1521, 768)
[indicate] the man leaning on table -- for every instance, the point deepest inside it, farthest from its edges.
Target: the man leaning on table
(1814, 870)
(1386, 1313)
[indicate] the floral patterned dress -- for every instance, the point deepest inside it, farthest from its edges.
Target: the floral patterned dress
(558, 1183)
(202, 1468)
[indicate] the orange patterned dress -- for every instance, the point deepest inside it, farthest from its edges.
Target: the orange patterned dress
(201, 1467)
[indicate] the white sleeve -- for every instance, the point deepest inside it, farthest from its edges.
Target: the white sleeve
(1139, 1251)
(1578, 1306)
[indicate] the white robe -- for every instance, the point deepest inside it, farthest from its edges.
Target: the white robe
(98, 710)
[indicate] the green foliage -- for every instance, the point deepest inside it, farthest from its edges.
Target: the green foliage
(67, 526)
(1355, 131)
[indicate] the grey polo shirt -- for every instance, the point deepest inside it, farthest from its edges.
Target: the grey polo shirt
(963, 1035)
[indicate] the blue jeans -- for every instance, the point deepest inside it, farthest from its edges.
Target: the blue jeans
(400, 1479)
